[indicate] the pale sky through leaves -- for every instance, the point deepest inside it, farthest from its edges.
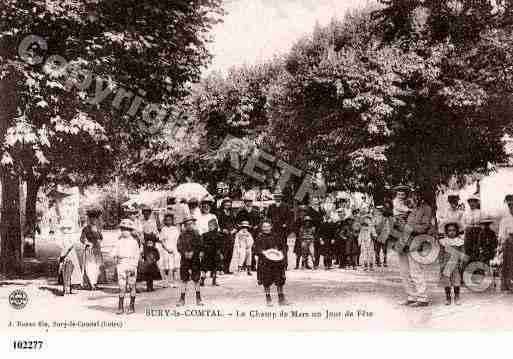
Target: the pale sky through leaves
(255, 30)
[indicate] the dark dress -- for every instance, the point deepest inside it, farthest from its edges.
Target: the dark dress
(213, 243)
(270, 272)
(227, 224)
(190, 268)
(148, 268)
(93, 255)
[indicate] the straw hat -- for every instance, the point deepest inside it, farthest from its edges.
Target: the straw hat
(127, 224)
(273, 255)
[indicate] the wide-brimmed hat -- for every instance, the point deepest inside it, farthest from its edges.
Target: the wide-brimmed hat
(188, 219)
(207, 199)
(273, 255)
(486, 220)
(380, 207)
(278, 194)
(193, 200)
(508, 197)
(307, 218)
(127, 224)
(244, 224)
(402, 188)
(452, 223)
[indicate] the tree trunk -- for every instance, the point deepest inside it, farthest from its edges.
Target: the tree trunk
(11, 252)
(33, 186)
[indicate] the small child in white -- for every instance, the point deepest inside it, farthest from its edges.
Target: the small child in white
(450, 261)
(243, 248)
(126, 254)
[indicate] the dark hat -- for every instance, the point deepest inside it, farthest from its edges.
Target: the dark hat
(193, 200)
(402, 188)
(453, 196)
(508, 198)
(307, 218)
(188, 219)
(146, 209)
(94, 213)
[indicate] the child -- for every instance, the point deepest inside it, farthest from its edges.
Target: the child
(242, 248)
(271, 270)
(126, 254)
(213, 242)
(366, 239)
(69, 266)
(306, 236)
(450, 262)
(169, 256)
(190, 247)
(149, 270)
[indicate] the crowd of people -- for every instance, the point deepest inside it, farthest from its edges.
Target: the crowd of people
(197, 237)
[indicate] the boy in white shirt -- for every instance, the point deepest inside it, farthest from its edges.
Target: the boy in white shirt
(126, 254)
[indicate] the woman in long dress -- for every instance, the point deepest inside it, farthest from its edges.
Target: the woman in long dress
(91, 238)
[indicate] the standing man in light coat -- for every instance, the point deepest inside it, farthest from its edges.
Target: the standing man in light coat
(418, 222)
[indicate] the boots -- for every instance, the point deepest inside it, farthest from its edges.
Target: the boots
(149, 286)
(282, 300)
(249, 271)
(298, 259)
(202, 282)
(214, 281)
(181, 301)
(131, 308)
(457, 295)
(268, 300)
(448, 295)
(198, 298)
(120, 310)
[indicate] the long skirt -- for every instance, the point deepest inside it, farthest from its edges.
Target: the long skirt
(93, 265)
(367, 255)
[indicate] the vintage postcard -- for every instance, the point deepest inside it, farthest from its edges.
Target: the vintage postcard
(255, 165)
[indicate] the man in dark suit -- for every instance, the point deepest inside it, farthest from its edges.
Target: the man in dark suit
(227, 223)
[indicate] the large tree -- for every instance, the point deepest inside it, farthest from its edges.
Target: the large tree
(121, 67)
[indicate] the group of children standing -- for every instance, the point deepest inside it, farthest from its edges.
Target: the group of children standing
(144, 253)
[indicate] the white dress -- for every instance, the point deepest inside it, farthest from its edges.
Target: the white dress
(169, 238)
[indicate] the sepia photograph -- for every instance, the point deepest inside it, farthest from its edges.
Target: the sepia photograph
(255, 166)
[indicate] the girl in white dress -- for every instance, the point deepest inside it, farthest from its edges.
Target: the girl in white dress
(169, 256)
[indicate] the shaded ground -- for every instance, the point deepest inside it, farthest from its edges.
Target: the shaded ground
(311, 292)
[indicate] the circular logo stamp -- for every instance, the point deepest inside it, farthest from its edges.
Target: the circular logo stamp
(18, 299)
